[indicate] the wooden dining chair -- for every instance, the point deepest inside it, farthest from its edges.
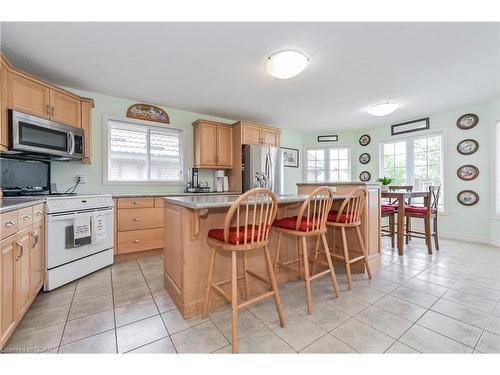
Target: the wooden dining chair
(348, 216)
(253, 213)
(394, 203)
(310, 222)
(428, 212)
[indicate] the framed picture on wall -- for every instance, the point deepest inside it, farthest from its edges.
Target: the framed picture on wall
(290, 157)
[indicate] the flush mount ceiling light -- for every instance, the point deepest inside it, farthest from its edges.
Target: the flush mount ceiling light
(286, 64)
(382, 109)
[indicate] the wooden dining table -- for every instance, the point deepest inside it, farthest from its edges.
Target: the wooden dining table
(401, 197)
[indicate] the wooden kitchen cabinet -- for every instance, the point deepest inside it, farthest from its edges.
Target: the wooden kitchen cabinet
(3, 107)
(22, 265)
(22, 272)
(37, 257)
(7, 289)
(28, 96)
(259, 134)
(65, 109)
(213, 144)
(87, 130)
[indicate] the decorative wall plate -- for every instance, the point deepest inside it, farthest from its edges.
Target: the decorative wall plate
(147, 112)
(468, 197)
(364, 158)
(468, 146)
(364, 140)
(467, 172)
(365, 176)
(467, 121)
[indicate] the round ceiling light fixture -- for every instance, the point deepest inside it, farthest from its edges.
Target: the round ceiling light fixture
(286, 64)
(382, 109)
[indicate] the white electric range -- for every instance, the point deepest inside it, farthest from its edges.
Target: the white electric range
(65, 261)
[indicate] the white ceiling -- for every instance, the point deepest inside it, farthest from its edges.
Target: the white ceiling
(218, 68)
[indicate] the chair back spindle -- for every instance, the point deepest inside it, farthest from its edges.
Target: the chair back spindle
(315, 209)
(352, 207)
(258, 208)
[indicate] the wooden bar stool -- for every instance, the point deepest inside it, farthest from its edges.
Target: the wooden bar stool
(390, 209)
(310, 222)
(349, 217)
(254, 213)
(427, 212)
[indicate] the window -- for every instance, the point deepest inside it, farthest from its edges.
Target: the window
(328, 164)
(416, 161)
(139, 152)
(497, 172)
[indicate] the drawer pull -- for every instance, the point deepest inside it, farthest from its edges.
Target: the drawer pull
(136, 241)
(136, 202)
(38, 213)
(137, 219)
(26, 217)
(9, 224)
(36, 239)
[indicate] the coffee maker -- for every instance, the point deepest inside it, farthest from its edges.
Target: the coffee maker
(219, 180)
(194, 185)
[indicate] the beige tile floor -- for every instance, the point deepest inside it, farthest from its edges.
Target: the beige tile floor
(442, 303)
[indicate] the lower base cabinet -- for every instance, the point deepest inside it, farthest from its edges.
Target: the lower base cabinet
(22, 255)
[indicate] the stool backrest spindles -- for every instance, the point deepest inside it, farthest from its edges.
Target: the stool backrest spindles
(433, 200)
(406, 188)
(315, 209)
(258, 208)
(352, 207)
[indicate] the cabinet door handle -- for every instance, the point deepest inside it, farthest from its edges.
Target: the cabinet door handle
(26, 217)
(20, 245)
(36, 239)
(53, 111)
(9, 224)
(48, 109)
(136, 241)
(38, 213)
(136, 219)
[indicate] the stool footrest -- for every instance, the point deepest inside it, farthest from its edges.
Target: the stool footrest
(336, 256)
(322, 273)
(256, 299)
(259, 278)
(220, 291)
(356, 259)
(290, 261)
(288, 268)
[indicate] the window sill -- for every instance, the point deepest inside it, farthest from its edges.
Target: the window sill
(145, 182)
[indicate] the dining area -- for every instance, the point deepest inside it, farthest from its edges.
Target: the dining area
(410, 214)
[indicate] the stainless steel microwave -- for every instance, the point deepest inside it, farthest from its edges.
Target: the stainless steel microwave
(35, 136)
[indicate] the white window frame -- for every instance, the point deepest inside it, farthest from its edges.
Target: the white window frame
(150, 124)
(327, 160)
(410, 158)
(496, 171)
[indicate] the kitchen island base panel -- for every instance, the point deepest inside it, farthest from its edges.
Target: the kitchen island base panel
(186, 256)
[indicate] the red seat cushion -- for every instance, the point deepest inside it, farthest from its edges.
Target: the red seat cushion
(344, 218)
(388, 208)
(291, 222)
(418, 209)
(235, 235)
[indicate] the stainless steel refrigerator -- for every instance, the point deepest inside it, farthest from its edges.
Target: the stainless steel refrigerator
(262, 167)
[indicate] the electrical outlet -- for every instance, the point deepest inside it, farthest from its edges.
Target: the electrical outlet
(82, 177)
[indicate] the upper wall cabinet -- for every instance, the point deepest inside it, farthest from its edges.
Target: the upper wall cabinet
(213, 144)
(258, 134)
(25, 93)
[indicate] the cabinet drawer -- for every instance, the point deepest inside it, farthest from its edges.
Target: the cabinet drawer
(140, 218)
(9, 224)
(38, 212)
(159, 202)
(24, 217)
(135, 202)
(139, 240)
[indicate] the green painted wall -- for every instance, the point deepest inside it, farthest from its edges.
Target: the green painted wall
(64, 173)
(474, 223)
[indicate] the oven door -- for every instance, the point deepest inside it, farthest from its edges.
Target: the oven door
(60, 248)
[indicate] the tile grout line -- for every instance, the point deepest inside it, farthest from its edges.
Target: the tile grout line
(67, 317)
(114, 310)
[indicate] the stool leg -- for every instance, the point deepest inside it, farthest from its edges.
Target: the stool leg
(346, 259)
(330, 264)
(247, 287)
(333, 244)
(315, 256)
(428, 239)
(435, 225)
(234, 302)
(274, 285)
(277, 254)
(363, 250)
(391, 228)
(209, 283)
(299, 261)
(307, 276)
(408, 230)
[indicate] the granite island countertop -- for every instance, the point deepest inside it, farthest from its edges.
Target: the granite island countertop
(197, 203)
(338, 183)
(15, 203)
(145, 195)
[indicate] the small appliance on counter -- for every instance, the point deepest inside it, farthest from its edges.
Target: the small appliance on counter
(194, 186)
(219, 175)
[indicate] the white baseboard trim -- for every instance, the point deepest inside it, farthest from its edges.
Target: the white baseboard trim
(468, 238)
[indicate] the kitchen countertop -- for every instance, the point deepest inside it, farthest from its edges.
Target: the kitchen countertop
(14, 203)
(198, 203)
(337, 183)
(138, 195)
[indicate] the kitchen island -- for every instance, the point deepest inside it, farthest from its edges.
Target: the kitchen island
(186, 251)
